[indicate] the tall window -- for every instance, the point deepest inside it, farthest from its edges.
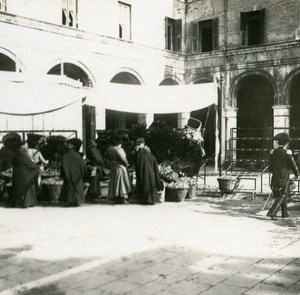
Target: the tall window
(173, 34)
(206, 35)
(69, 13)
(2, 5)
(124, 21)
(252, 27)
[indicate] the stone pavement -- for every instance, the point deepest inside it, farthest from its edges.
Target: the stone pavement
(207, 245)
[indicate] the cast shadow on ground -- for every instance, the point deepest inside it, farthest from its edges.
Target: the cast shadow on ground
(246, 207)
(169, 270)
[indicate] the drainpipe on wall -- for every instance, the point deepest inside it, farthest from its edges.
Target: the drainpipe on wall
(223, 135)
(186, 4)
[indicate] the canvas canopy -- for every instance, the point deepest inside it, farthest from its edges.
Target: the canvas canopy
(25, 95)
(159, 99)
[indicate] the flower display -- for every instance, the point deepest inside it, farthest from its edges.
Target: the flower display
(51, 173)
(52, 181)
(167, 173)
(180, 184)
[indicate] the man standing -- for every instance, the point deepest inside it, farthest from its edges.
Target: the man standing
(147, 176)
(72, 172)
(281, 162)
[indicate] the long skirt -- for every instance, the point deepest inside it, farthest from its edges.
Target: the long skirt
(119, 184)
(28, 199)
(95, 189)
(72, 193)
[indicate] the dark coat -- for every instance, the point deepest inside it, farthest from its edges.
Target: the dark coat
(24, 179)
(281, 162)
(96, 160)
(72, 172)
(147, 176)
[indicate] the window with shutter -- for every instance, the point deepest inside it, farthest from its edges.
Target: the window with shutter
(69, 13)
(173, 34)
(206, 35)
(124, 21)
(3, 5)
(252, 27)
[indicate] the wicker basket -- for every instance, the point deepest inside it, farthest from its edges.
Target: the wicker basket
(175, 194)
(51, 192)
(227, 185)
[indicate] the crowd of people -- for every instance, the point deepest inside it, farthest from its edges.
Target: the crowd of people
(75, 169)
(79, 172)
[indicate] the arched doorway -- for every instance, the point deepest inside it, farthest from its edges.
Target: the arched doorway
(255, 97)
(170, 119)
(6, 63)
(117, 119)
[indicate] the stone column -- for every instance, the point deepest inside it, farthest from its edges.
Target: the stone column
(281, 114)
(146, 119)
(182, 119)
(230, 122)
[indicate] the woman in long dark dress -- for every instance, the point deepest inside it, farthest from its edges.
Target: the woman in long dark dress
(147, 176)
(119, 184)
(24, 178)
(72, 173)
(96, 162)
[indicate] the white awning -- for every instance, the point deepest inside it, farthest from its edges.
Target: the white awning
(25, 95)
(159, 99)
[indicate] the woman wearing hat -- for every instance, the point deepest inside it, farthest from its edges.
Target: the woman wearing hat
(147, 175)
(119, 184)
(281, 162)
(97, 165)
(24, 177)
(72, 172)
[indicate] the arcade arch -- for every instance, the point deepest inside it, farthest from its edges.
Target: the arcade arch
(9, 62)
(73, 70)
(117, 119)
(169, 119)
(254, 97)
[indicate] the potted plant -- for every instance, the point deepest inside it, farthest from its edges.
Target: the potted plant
(52, 187)
(176, 191)
(227, 183)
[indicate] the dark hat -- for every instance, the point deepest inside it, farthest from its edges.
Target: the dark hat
(139, 141)
(282, 138)
(76, 142)
(12, 140)
(34, 140)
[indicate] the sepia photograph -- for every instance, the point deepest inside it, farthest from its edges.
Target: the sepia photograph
(149, 147)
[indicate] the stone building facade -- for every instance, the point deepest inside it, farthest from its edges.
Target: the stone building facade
(250, 48)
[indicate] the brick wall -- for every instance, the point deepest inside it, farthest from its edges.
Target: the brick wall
(281, 18)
